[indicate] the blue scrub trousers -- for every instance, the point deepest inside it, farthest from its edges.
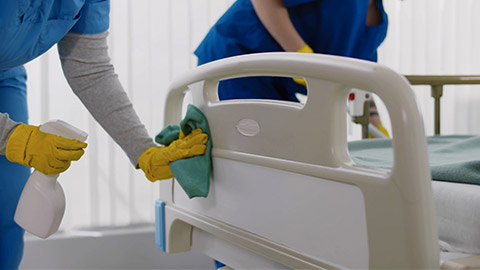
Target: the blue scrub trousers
(13, 176)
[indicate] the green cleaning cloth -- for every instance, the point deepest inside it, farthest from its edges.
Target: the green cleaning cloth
(193, 174)
(451, 158)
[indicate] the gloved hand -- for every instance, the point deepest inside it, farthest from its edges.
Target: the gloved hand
(380, 128)
(304, 49)
(48, 153)
(375, 120)
(155, 160)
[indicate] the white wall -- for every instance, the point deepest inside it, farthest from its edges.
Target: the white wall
(152, 41)
(437, 37)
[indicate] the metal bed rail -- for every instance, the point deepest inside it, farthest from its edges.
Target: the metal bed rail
(436, 83)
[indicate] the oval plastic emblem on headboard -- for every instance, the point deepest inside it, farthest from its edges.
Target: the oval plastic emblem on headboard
(248, 127)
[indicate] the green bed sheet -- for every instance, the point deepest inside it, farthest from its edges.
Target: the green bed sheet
(451, 158)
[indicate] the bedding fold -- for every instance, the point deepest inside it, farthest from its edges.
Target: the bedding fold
(453, 158)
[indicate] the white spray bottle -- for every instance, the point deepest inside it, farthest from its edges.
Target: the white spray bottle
(42, 203)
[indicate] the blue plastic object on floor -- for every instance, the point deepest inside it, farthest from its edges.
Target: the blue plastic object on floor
(160, 225)
(219, 265)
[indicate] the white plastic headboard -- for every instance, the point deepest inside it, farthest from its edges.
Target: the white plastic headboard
(319, 128)
(316, 135)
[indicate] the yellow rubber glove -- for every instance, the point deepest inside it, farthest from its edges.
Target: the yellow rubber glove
(304, 49)
(48, 153)
(380, 128)
(155, 161)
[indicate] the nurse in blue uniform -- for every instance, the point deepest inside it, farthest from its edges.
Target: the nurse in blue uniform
(28, 28)
(337, 27)
(31, 28)
(351, 28)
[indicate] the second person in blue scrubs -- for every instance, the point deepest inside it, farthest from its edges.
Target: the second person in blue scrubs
(351, 28)
(28, 28)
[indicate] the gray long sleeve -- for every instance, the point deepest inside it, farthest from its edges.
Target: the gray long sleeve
(7, 125)
(86, 65)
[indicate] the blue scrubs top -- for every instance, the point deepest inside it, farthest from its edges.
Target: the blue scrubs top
(28, 28)
(336, 27)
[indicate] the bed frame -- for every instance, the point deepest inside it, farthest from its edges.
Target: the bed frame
(284, 191)
(436, 83)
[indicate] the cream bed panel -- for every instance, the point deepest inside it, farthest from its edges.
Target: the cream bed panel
(283, 184)
(303, 216)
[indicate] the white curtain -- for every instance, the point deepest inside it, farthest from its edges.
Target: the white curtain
(437, 37)
(152, 42)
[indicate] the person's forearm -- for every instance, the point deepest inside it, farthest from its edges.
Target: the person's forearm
(7, 125)
(274, 16)
(87, 67)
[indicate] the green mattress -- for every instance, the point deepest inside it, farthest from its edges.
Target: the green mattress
(451, 158)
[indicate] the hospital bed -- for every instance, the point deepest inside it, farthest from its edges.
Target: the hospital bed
(284, 191)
